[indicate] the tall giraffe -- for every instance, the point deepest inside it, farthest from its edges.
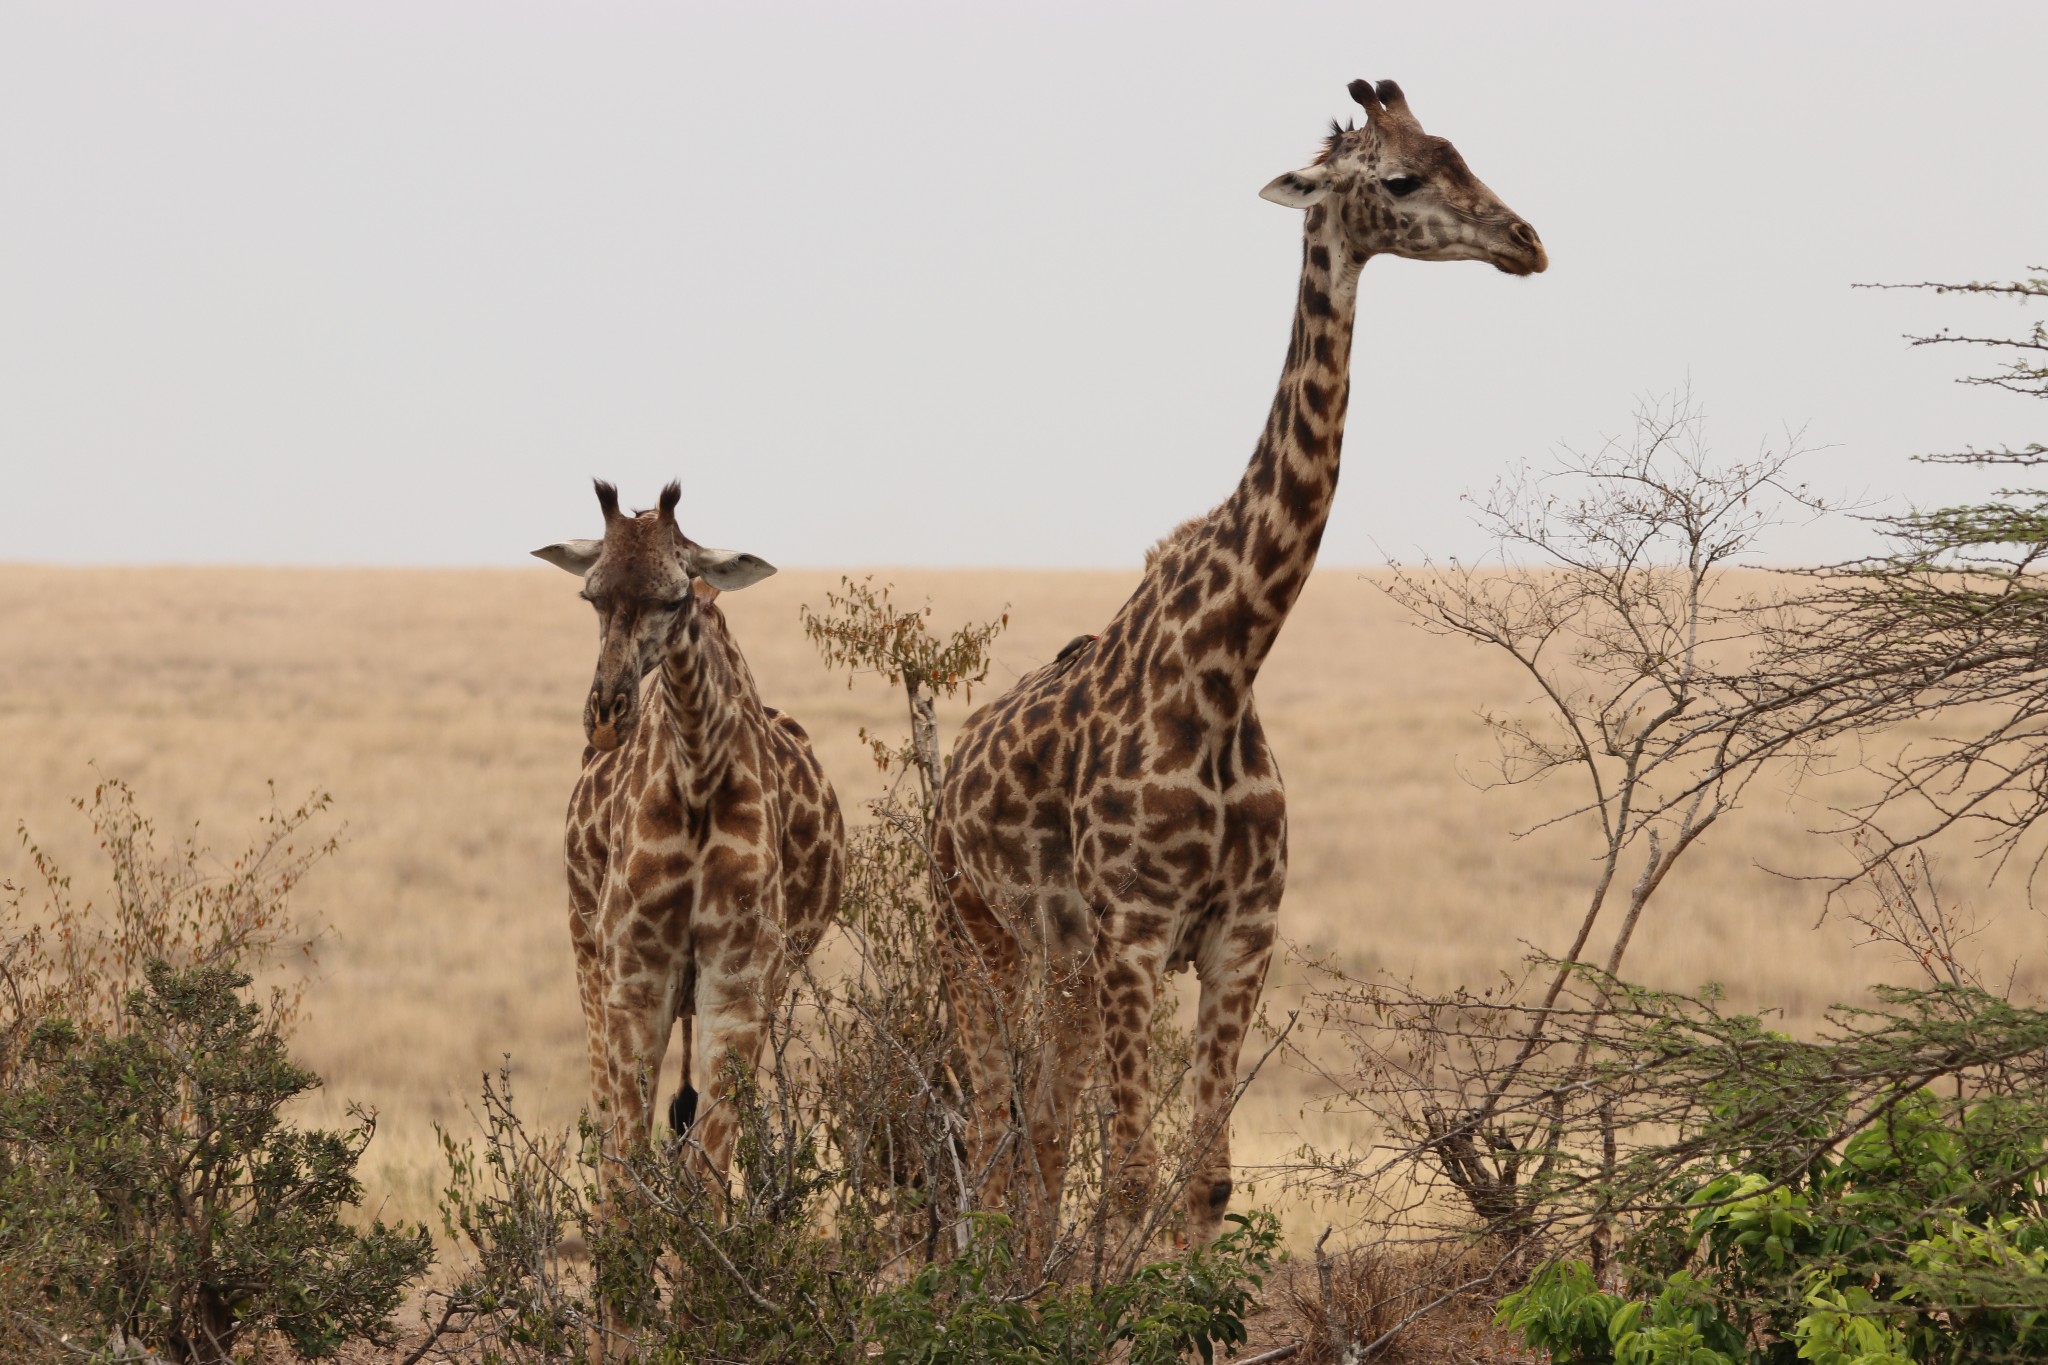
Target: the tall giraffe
(1117, 814)
(704, 845)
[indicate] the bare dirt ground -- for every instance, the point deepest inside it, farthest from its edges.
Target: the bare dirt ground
(441, 709)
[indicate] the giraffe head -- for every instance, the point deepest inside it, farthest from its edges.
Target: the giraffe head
(646, 579)
(1390, 187)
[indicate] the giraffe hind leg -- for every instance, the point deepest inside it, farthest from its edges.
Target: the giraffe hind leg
(732, 1020)
(1129, 994)
(1072, 1027)
(983, 961)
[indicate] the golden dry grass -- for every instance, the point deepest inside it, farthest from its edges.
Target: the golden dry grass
(441, 708)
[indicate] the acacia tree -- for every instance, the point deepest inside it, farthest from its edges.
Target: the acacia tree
(1564, 1106)
(1607, 594)
(1952, 615)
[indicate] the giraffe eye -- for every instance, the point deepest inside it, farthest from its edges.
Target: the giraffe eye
(1401, 186)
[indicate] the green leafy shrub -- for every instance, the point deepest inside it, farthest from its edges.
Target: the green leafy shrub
(1563, 1312)
(1924, 1237)
(149, 1184)
(955, 1312)
(152, 1200)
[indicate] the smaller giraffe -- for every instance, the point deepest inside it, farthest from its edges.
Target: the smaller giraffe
(705, 847)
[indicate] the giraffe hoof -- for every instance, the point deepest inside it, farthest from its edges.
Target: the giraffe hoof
(682, 1110)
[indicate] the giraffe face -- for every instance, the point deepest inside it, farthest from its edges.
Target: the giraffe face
(646, 580)
(1392, 188)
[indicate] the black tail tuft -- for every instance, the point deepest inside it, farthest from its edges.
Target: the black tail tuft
(682, 1110)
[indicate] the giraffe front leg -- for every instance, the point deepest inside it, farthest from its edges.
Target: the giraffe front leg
(590, 995)
(635, 1007)
(590, 975)
(730, 1030)
(1231, 981)
(635, 1014)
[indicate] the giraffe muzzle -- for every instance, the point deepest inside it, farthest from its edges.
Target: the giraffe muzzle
(608, 719)
(1535, 260)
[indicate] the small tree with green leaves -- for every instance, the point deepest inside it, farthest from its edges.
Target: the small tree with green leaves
(1923, 1236)
(152, 1197)
(888, 1027)
(887, 1049)
(148, 1177)
(863, 631)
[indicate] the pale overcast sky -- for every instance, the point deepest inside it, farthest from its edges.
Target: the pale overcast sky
(946, 283)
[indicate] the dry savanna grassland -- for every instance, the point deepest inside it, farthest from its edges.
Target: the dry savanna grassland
(442, 711)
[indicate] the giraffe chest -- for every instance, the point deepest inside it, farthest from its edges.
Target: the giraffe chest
(668, 853)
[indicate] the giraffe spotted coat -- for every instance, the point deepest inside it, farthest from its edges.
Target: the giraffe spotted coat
(705, 847)
(1118, 814)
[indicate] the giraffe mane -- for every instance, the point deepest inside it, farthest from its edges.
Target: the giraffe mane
(1183, 532)
(1330, 143)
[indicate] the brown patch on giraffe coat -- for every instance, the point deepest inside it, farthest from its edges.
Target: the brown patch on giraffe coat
(1116, 806)
(1222, 630)
(1178, 734)
(1170, 811)
(741, 818)
(659, 818)
(1310, 443)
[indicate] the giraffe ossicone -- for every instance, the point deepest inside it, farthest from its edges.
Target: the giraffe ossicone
(705, 848)
(1118, 815)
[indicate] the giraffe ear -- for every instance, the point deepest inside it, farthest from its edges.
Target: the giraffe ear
(726, 570)
(1299, 189)
(574, 555)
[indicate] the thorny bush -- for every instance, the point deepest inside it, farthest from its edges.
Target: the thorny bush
(788, 1267)
(853, 1222)
(187, 907)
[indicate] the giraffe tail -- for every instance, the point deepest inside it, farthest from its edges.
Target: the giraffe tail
(682, 1110)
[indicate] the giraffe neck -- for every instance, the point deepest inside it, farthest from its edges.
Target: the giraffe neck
(702, 688)
(1230, 578)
